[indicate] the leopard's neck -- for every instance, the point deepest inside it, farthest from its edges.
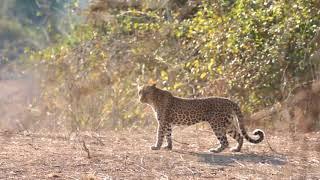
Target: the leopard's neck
(162, 104)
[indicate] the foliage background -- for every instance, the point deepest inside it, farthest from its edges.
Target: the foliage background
(32, 24)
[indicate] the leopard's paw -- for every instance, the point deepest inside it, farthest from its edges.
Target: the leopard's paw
(217, 150)
(235, 149)
(155, 147)
(168, 147)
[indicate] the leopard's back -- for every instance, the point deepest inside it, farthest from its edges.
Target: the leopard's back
(191, 111)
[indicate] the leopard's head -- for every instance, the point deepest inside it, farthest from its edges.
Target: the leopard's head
(148, 94)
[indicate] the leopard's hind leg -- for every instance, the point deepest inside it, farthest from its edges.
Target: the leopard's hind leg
(232, 132)
(222, 137)
(219, 127)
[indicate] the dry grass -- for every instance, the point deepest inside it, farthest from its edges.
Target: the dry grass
(300, 111)
(15, 97)
(126, 155)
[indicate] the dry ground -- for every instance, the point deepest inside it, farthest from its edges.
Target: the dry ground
(126, 155)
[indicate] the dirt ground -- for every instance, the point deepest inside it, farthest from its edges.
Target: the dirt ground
(126, 154)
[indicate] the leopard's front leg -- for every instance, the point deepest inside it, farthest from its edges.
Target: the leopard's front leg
(160, 136)
(169, 137)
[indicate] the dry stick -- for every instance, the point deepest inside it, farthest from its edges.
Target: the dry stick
(86, 149)
(242, 165)
(180, 142)
(141, 167)
(99, 140)
(142, 164)
(35, 148)
(271, 147)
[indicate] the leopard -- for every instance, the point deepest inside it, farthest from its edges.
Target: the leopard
(223, 115)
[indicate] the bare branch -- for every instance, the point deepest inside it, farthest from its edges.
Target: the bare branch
(85, 148)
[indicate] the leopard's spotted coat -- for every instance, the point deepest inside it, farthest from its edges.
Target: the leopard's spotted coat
(223, 115)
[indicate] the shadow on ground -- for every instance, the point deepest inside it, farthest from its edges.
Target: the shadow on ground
(230, 159)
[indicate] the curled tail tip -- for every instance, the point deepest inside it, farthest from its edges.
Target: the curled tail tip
(260, 133)
(256, 140)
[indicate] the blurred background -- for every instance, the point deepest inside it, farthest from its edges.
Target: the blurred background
(77, 64)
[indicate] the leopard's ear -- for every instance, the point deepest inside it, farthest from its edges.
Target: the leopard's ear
(152, 82)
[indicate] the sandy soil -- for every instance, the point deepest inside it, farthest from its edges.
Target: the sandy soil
(126, 155)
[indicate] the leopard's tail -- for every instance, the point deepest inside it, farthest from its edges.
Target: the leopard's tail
(238, 117)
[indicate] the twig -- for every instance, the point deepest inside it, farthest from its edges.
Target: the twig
(35, 148)
(125, 160)
(141, 161)
(180, 142)
(99, 140)
(238, 162)
(140, 166)
(271, 147)
(189, 169)
(7, 133)
(86, 149)
(181, 157)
